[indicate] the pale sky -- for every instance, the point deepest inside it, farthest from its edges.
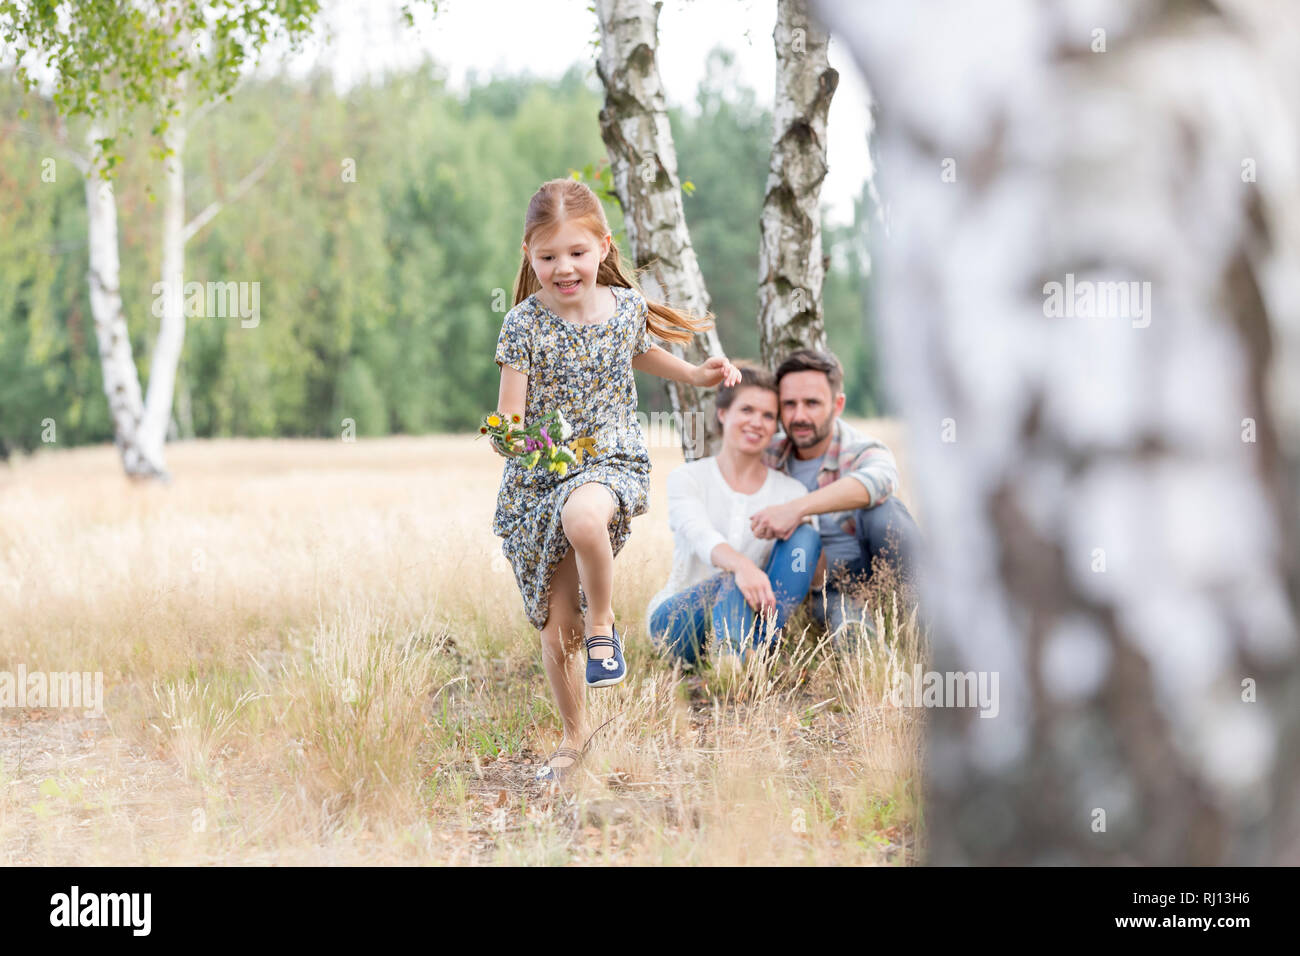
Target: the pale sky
(546, 37)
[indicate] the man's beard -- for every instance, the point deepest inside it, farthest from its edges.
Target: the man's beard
(812, 437)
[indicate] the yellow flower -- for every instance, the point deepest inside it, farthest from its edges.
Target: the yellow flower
(561, 468)
(494, 421)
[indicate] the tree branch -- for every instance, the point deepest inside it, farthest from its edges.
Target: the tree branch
(242, 187)
(79, 160)
(207, 106)
(42, 137)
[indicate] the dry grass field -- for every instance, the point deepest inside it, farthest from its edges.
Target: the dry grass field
(313, 653)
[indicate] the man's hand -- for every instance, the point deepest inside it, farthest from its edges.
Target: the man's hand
(756, 587)
(776, 521)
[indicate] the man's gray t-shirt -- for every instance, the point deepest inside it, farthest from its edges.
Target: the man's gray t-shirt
(837, 545)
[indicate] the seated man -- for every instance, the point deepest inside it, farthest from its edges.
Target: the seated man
(851, 480)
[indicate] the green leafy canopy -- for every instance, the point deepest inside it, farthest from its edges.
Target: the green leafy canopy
(107, 57)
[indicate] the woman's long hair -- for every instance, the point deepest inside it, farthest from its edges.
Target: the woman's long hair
(562, 200)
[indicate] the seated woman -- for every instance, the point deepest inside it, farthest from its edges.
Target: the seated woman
(725, 580)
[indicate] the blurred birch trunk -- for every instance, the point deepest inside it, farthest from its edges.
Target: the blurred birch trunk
(1111, 488)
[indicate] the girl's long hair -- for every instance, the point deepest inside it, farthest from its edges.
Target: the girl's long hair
(562, 200)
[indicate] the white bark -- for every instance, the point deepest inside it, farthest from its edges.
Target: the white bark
(791, 267)
(1011, 154)
(166, 355)
(634, 125)
(158, 420)
(121, 381)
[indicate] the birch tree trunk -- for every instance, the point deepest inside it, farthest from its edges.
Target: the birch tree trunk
(117, 364)
(790, 263)
(153, 420)
(1111, 489)
(634, 126)
(166, 355)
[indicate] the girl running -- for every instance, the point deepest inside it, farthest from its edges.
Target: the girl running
(577, 330)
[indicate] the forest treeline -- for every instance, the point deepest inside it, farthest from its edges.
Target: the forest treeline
(382, 246)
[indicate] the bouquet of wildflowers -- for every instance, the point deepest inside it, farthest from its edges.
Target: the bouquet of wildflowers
(541, 441)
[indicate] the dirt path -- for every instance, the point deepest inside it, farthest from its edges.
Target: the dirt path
(73, 793)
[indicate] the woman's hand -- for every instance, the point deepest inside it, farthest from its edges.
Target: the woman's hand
(756, 587)
(716, 370)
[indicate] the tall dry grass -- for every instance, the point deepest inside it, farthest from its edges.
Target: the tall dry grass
(314, 653)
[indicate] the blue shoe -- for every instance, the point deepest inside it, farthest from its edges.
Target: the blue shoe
(606, 671)
(548, 774)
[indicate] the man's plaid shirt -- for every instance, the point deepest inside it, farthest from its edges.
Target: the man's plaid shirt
(849, 454)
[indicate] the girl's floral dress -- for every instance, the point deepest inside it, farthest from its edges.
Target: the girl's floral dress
(586, 372)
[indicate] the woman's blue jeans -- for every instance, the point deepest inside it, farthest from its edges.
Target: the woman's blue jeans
(681, 622)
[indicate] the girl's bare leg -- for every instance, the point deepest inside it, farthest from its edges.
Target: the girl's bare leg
(561, 647)
(585, 518)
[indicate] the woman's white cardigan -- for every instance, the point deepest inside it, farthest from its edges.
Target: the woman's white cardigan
(704, 512)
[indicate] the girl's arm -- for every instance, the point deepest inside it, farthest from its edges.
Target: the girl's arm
(716, 370)
(514, 392)
(513, 395)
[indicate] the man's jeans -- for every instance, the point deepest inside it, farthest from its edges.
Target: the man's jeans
(887, 531)
(681, 622)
